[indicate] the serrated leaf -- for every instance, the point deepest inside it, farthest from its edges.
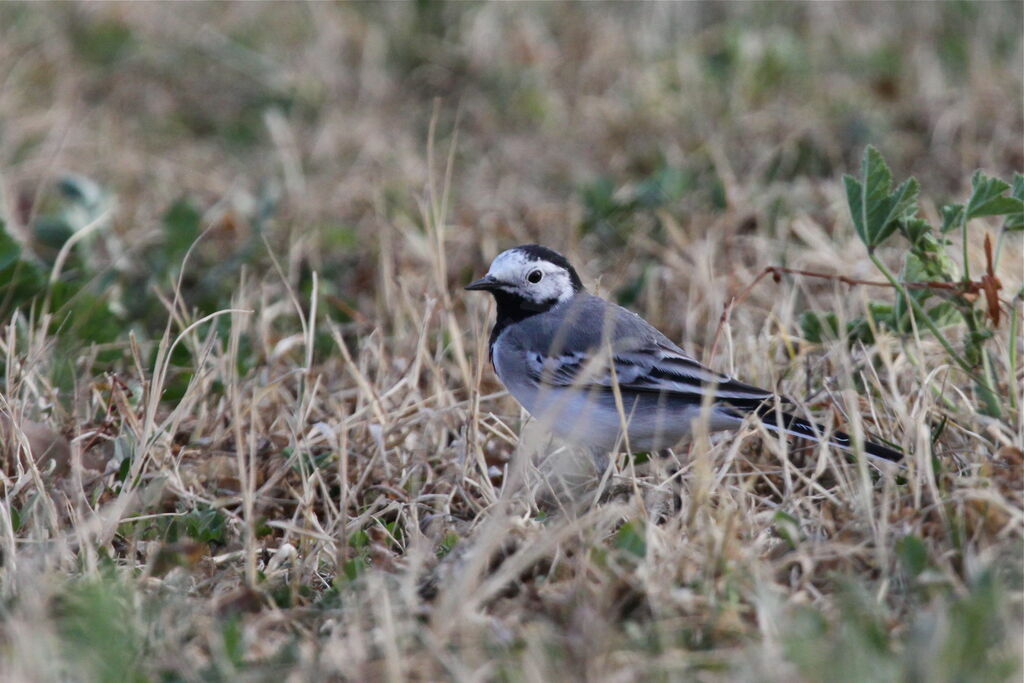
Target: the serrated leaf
(987, 198)
(952, 214)
(1015, 221)
(875, 207)
(918, 233)
(855, 200)
(1018, 186)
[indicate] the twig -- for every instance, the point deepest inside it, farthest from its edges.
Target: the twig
(969, 289)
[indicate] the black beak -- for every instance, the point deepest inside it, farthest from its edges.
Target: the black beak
(485, 284)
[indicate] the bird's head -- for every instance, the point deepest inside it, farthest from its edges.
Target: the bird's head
(531, 275)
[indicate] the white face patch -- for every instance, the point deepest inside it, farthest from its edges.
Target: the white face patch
(517, 270)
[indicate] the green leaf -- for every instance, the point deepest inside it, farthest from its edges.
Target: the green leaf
(20, 280)
(234, 641)
(952, 214)
(817, 327)
(449, 541)
(919, 233)
(1015, 220)
(98, 628)
(944, 314)
(10, 250)
(307, 462)
(987, 198)
(359, 539)
(883, 314)
(788, 527)
(355, 568)
(630, 538)
(926, 265)
(52, 231)
(921, 266)
(81, 315)
(206, 526)
(875, 207)
(181, 223)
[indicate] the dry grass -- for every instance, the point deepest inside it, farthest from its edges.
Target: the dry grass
(285, 454)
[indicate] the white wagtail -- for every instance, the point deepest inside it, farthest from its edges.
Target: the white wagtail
(587, 368)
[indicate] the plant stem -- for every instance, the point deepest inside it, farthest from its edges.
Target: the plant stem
(1014, 332)
(929, 323)
(963, 239)
(983, 383)
(999, 249)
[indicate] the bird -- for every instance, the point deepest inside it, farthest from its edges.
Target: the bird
(600, 376)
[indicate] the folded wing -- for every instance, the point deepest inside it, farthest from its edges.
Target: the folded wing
(649, 365)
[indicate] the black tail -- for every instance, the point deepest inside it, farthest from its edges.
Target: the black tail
(797, 426)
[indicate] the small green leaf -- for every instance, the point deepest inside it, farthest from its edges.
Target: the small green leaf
(449, 541)
(875, 207)
(928, 265)
(10, 250)
(358, 539)
(52, 231)
(83, 315)
(206, 526)
(176, 386)
(234, 641)
(181, 224)
(913, 554)
(354, 568)
(918, 231)
(855, 200)
(883, 314)
(952, 214)
(944, 314)
(630, 538)
(640, 457)
(1015, 220)
(987, 198)
(124, 469)
(20, 280)
(788, 527)
(914, 269)
(307, 462)
(1018, 186)
(817, 327)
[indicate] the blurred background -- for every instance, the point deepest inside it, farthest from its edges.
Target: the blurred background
(585, 127)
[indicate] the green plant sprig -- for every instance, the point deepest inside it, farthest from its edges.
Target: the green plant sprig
(880, 211)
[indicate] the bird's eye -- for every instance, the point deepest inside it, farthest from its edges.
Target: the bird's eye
(535, 276)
